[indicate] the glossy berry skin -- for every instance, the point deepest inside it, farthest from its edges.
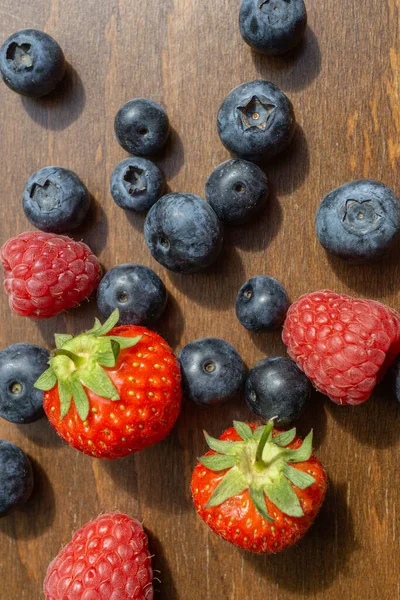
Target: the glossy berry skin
(275, 387)
(142, 127)
(137, 292)
(359, 220)
(16, 477)
(237, 521)
(107, 559)
(237, 190)
(212, 371)
(31, 63)
(55, 200)
(272, 26)
(262, 304)
(46, 274)
(137, 184)
(344, 345)
(256, 121)
(183, 233)
(20, 366)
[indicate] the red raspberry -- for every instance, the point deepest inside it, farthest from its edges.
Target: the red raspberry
(108, 559)
(46, 273)
(344, 345)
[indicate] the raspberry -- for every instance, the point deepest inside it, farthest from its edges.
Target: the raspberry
(108, 559)
(46, 273)
(343, 345)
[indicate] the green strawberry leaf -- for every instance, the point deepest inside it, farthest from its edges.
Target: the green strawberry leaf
(46, 381)
(218, 462)
(61, 339)
(243, 430)
(64, 391)
(285, 438)
(107, 326)
(99, 383)
(258, 499)
(298, 478)
(80, 398)
(125, 342)
(303, 453)
(96, 327)
(221, 446)
(281, 493)
(257, 433)
(108, 352)
(231, 485)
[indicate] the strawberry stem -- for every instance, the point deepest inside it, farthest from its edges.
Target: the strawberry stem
(77, 360)
(261, 445)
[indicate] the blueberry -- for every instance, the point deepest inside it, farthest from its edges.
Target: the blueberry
(262, 304)
(395, 373)
(31, 63)
(256, 120)
(136, 184)
(212, 371)
(137, 292)
(272, 26)
(359, 220)
(55, 200)
(183, 233)
(276, 387)
(20, 366)
(237, 190)
(142, 127)
(16, 477)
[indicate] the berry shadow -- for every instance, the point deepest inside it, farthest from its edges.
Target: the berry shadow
(312, 565)
(73, 321)
(37, 515)
(269, 342)
(171, 324)
(137, 219)
(313, 418)
(42, 434)
(62, 106)
(165, 588)
(294, 70)
(171, 158)
(94, 229)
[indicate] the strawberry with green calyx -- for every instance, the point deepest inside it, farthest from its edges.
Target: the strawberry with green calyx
(111, 391)
(259, 488)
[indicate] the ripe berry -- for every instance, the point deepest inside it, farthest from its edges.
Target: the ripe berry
(262, 304)
(212, 371)
(237, 190)
(31, 63)
(20, 366)
(359, 220)
(183, 233)
(55, 200)
(137, 292)
(276, 387)
(136, 184)
(45, 273)
(142, 127)
(16, 477)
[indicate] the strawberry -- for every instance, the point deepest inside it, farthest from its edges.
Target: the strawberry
(46, 274)
(259, 488)
(343, 345)
(107, 559)
(112, 391)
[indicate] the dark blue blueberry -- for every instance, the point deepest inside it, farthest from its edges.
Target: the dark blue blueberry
(136, 184)
(276, 387)
(359, 220)
(31, 63)
(272, 26)
(142, 127)
(137, 292)
(20, 366)
(395, 373)
(237, 190)
(262, 304)
(212, 371)
(55, 200)
(256, 120)
(16, 477)
(183, 233)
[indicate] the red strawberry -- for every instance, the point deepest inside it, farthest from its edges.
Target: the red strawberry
(259, 488)
(342, 344)
(125, 384)
(108, 559)
(46, 273)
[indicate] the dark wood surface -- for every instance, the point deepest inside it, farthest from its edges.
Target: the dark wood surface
(188, 54)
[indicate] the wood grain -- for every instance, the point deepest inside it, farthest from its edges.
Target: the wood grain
(344, 83)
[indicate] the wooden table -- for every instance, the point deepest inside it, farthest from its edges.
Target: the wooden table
(188, 54)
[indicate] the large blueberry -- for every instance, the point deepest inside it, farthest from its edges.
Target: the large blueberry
(212, 371)
(137, 292)
(142, 127)
(136, 184)
(55, 200)
(256, 120)
(359, 220)
(272, 26)
(237, 190)
(16, 477)
(31, 63)
(262, 304)
(183, 233)
(20, 366)
(276, 387)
